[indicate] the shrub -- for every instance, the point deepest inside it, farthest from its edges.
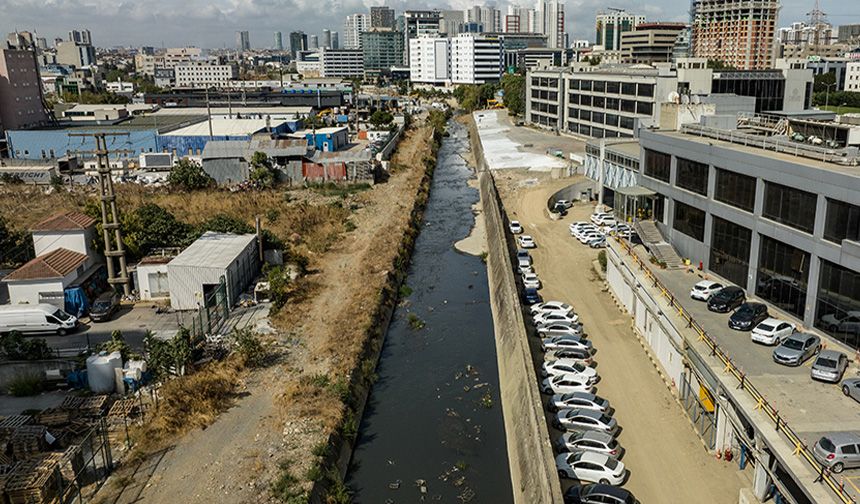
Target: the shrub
(249, 347)
(15, 347)
(189, 176)
(26, 385)
(601, 258)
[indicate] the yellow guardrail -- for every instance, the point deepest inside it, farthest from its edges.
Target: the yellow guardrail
(762, 404)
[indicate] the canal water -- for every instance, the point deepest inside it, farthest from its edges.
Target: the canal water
(432, 430)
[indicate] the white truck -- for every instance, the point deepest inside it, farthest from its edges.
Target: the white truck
(36, 318)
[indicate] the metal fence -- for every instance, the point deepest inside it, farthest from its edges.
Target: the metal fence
(762, 404)
(212, 314)
(702, 419)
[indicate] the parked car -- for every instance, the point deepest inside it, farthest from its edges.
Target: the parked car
(576, 419)
(551, 306)
(559, 209)
(599, 242)
(771, 331)
(36, 318)
(581, 232)
(515, 227)
(559, 329)
(526, 242)
(563, 366)
(590, 236)
(726, 299)
(838, 451)
(602, 219)
(704, 289)
(589, 440)
(847, 322)
(596, 493)
(564, 203)
(550, 317)
(582, 355)
(564, 383)
(829, 366)
(522, 270)
(531, 296)
(578, 227)
(747, 316)
(796, 349)
(590, 466)
(560, 342)
(531, 281)
(577, 400)
(524, 258)
(851, 388)
(104, 306)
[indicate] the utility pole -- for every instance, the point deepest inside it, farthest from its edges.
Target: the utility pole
(110, 215)
(209, 113)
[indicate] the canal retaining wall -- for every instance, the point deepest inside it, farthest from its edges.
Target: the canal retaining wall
(530, 455)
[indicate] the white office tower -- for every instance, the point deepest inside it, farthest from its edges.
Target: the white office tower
(430, 60)
(352, 28)
(475, 59)
(550, 22)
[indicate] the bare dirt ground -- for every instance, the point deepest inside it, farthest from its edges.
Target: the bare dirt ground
(667, 460)
(237, 457)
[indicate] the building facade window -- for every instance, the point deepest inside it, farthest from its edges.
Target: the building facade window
(842, 221)
(689, 220)
(735, 189)
(789, 206)
(783, 273)
(730, 250)
(692, 175)
(657, 165)
(838, 310)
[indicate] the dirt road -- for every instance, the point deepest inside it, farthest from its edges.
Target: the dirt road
(667, 461)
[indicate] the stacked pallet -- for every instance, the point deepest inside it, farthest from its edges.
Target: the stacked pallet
(95, 406)
(12, 422)
(6, 471)
(35, 481)
(72, 463)
(28, 441)
(123, 408)
(54, 417)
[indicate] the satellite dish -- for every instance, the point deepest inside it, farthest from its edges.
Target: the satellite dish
(673, 97)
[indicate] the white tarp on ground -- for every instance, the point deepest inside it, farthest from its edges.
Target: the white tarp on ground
(501, 151)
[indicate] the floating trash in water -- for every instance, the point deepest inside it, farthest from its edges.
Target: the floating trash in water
(467, 495)
(394, 485)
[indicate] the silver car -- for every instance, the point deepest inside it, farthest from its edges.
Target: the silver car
(829, 366)
(589, 440)
(851, 388)
(577, 400)
(796, 349)
(583, 419)
(838, 450)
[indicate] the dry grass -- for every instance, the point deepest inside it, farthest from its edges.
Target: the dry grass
(313, 396)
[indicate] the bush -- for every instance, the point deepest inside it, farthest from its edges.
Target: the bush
(15, 347)
(26, 385)
(249, 347)
(116, 343)
(189, 176)
(601, 258)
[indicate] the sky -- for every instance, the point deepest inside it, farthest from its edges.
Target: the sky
(213, 23)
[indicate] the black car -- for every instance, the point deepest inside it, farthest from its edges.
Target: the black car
(531, 296)
(726, 299)
(748, 316)
(598, 494)
(104, 307)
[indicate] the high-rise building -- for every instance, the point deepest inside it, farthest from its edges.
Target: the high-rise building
(451, 22)
(381, 50)
(279, 41)
(81, 37)
(549, 20)
(487, 16)
(326, 39)
(475, 59)
(298, 42)
(610, 25)
(21, 40)
(243, 41)
(341, 63)
(381, 17)
(313, 42)
(737, 33)
(352, 28)
(22, 104)
(75, 54)
(417, 23)
(430, 60)
(650, 42)
(848, 33)
(335, 40)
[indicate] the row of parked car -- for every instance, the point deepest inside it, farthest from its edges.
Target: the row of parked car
(837, 450)
(594, 233)
(587, 448)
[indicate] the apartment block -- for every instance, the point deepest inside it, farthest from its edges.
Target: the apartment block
(739, 33)
(381, 17)
(341, 63)
(609, 27)
(76, 54)
(430, 60)
(381, 49)
(352, 28)
(475, 59)
(852, 76)
(191, 75)
(22, 103)
(417, 23)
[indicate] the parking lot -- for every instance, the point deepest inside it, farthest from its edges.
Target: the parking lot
(666, 460)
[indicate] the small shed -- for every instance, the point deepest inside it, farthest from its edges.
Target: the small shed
(197, 271)
(150, 277)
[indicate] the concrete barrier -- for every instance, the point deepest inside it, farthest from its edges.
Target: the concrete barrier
(533, 472)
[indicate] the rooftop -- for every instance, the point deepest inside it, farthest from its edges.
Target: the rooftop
(55, 264)
(66, 221)
(225, 127)
(234, 110)
(213, 250)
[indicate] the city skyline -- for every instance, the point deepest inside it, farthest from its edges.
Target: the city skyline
(214, 24)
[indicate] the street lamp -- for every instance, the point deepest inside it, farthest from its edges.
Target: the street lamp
(840, 106)
(827, 94)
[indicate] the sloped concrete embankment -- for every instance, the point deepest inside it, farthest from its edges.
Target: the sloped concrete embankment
(530, 454)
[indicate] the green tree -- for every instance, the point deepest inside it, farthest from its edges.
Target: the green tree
(150, 226)
(223, 223)
(14, 346)
(263, 174)
(189, 176)
(716, 64)
(822, 81)
(116, 343)
(381, 118)
(514, 87)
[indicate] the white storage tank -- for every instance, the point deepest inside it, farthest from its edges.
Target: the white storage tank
(100, 371)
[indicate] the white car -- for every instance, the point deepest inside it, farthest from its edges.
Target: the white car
(577, 400)
(550, 306)
(522, 270)
(603, 219)
(575, 226)
(592, 467)
(531, 281)
(565, 383)
(589, 440)
(564, 366)
(771, 331)
(527, 242)
(579, 230)
(590, 235)
(515, 227)
(579, 355)
(703, 290)
(559, 329)
(563, 202)
(560, 342)
(550, 317)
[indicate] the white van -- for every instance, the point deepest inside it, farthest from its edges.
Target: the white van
(36, 318)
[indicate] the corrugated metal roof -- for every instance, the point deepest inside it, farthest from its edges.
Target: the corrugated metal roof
(280, 147)
(65, 221)
(55, 264)
(226, 127)
(213, 250)
(225, 149)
